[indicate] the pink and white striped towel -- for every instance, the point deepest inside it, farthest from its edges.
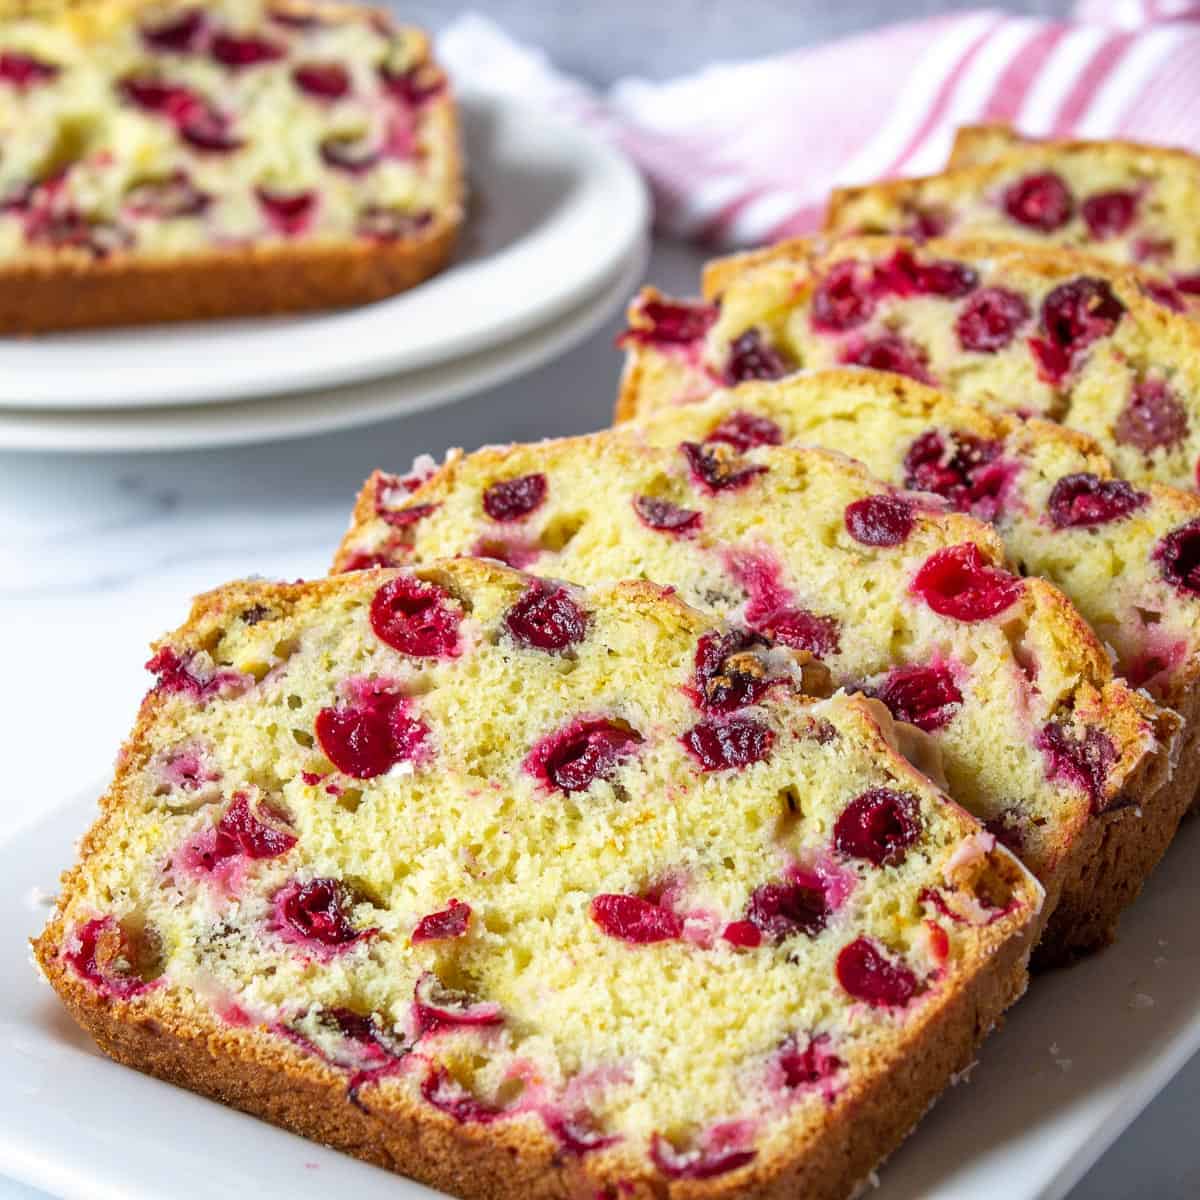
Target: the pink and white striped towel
(744, 153)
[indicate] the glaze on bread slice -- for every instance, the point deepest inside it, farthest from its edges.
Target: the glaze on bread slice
(432, 866)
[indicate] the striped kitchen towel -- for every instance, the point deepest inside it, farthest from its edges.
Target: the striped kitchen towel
(744, 153)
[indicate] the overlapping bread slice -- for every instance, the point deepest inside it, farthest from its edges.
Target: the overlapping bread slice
(435, 866)
(168, 160)
(1126, 201)
(1007, 328)
(890, 592)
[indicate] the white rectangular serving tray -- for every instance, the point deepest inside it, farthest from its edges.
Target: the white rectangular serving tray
(1078, 1059)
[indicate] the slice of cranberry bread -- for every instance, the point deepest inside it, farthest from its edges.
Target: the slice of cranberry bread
(999, 326)
(438, 867)
(1122, 553)
(1133, 203)
(892, 594)
(172, 160)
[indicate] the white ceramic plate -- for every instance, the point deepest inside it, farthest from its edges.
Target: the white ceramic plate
(1077, 1060)
(554, 211)
(193, 426)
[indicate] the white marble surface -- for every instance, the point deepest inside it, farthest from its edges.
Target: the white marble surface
(98, 554)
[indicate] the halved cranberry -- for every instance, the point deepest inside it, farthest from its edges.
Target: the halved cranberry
(990, 319)
(1178, 556)
(879, 520)
(926, 223)
(384, 224)
(349, 153)
(632, 919)
(926, 697)
(577, 1134)
(699, 1163)
(199, 124)
(180, 33)
(436, 1007)
(665, 516)
(207, 130)
(413, 616)
(546, 618)
(868, 975)
(1189, 285)
(730, 673)
(717, 467)
(318, 912)
(370, 1045)
(957, 468)
(249, 51)
(441, 926)
(416, 85)
(1084, 501)
(1085, 761)
(402, 518)
(904, 275)
(1109, 214)
(780, 910)
(888, 352)
(815, 1064)
(23, 71)
(165, 199)
(1041, 201)
(178, 675)
(515, 499)
(1074, 315)
(751, 358)
(368, 738)
(743, 431)
(879, 826)
(1153, 418)
(743, 934)
(725, 745)
(1164, 294)
(325, 80)
(446, 1094)
(845, 298)
(241, 831)
(288, 213)
(671, 323)
(804, 630)
(102, 953)
(581, 752)
(69, 229)
(958, 582)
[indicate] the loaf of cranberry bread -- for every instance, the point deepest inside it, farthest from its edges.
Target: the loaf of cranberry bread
(894, 595)
(438, 867)
(171, 160)
(1003, 327)
(1120, 200)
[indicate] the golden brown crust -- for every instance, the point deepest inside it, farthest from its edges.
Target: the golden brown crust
(975, 144)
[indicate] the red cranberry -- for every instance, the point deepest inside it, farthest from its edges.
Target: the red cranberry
(879, 520)
(101, 952)
(888, 352)
(903, 275)
(699, 1163)
(446, 1094)
(1109, 214)
(1006, 828)
(1084, 761)
(179, 34)
(413, 616)
(960, 472)
(724, 745)
(1178, 556)
(868, 975)
(743, 934)
(1083, 501)
(402, 518)
(317, 911)
(879, 826)
(717, 468)
(515, 499)
(348, 153)
(174, 196)
(1163, 293)
(367, 739)
(176, 675)
(958, 582)
(665, 516)
(1041, 201)
(374, 1045)
(632, 919)
(751, 358)
(729, 672)
(581, 752)
(1154, 417)
(815, 1064)
(576, 1134)
(441, 926)
(546, 618)
(926, 697)
(436, 1008)
(23, 71)
(926, 223)
(360, 560)
(1074, 315)
(672, 323)
(156, 95)
(208, 131)
(743, 431)
(243, 832)
(248, 51)
(804, 630)
(845, 298)
(415, 86)
(326, 80)
(990, 319)
(780, 910)
(1189, 285)
(288, 213)
(69, 228)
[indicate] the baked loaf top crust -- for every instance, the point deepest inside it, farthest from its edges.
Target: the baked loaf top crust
(451, 840)
(138, 130)
(891, 593)
(1132, 203)
(999, 326)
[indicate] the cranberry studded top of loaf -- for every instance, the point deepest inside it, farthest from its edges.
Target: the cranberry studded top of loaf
(892, 594)
(1006, 328)
(452, 840)
(169, 129)
(1124, 554)
(1124, 201)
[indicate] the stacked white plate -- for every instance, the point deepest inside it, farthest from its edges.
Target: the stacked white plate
(554, 244)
